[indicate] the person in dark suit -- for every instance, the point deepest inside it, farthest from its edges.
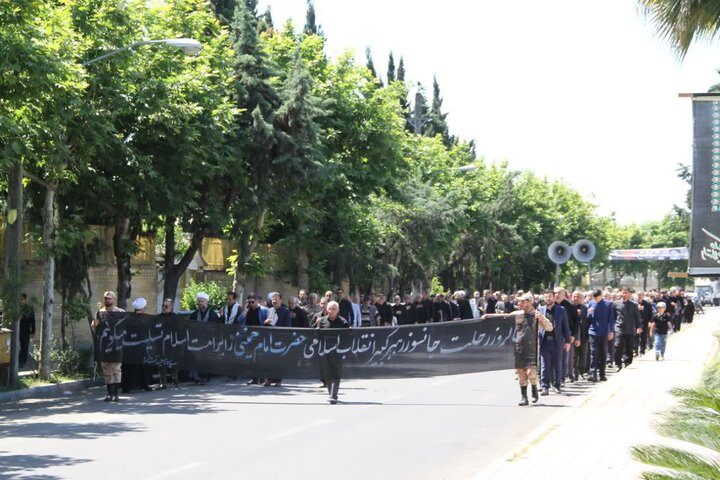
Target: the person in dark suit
(27, 327)
(628, 323)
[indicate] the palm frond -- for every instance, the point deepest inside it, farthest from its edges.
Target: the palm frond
(678, 462)
(682, 21)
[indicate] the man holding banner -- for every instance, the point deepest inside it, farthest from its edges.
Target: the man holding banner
(525, 343)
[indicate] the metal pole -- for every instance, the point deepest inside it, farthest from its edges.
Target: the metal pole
(115, 52)
(557, 274)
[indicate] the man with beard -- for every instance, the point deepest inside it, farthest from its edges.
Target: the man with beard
(278, 316)
(108, 345)
(465, 310)
(255, 316)
(601, 330)
(582, 335)
(230, 313)
(561, 297)
(646, 313)
(525, 343)
(168, 317)
(553, 344)
(384, 312)
(313, 307)
(331, 361)
(346, 308)
(441, 309)
(490, 301)
(627, 324)
(399, 310)
(298, 316)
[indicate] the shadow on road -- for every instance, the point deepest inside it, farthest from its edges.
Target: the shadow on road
(68, 431)
(15, 467)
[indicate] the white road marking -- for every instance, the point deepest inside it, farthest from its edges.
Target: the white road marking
(174, 471)
(297, 429)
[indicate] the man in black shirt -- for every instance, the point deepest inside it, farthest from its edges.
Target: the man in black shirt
(646, 313)
(627, 324)
(384, 312)
(490, 302)
(346, 310)
(561, 297)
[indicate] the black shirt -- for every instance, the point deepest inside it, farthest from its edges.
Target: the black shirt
(662, 323)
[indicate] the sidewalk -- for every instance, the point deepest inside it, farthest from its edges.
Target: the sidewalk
(592, 440)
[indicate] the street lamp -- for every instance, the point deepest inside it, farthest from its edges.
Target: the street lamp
(188, 45)
(465, 168)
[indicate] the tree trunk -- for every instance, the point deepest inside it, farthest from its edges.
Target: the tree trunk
(49, 222)
(303, 262)
(172, 271)
(13, 264)
(248, 244)
(122, 260)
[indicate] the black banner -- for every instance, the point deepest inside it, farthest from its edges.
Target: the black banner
(420, 350)
(705, 228)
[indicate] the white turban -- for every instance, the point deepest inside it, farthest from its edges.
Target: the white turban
(202, 295)
(139, 303)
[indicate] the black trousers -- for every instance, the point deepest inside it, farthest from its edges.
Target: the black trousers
(624, 346)
(24, 347)
(580, 361)
(598, 354)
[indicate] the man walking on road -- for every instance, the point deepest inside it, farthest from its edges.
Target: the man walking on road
(627, 324)
(602, 327)
(525, 344)
(331, 361)
(553, 344)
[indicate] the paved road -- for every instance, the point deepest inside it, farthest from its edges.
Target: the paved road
(435, 428)
(455, 427)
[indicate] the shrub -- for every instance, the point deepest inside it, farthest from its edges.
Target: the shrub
(216, 291)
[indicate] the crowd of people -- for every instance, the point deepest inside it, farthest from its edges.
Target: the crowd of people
(582, 334)
(578, 335)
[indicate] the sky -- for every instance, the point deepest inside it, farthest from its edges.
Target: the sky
(582, 92)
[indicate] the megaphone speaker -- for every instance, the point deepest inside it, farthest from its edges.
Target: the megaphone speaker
(559, 252)
(583, 250)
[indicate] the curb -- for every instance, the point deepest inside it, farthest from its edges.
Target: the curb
(63, 389)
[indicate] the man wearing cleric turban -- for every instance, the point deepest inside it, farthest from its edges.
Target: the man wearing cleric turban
(203, 314)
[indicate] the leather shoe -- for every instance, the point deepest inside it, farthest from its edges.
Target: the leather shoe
(557, 389)
(603, 379)
(545, 391)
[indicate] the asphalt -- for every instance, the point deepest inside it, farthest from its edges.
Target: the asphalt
(593, 439)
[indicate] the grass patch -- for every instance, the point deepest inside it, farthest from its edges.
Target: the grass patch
(31, 381)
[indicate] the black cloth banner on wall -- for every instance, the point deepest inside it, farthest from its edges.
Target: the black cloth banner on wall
(420, 350)
(705, 224)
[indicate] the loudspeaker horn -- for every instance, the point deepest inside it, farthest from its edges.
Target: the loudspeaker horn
(583, 250)
(559, 252)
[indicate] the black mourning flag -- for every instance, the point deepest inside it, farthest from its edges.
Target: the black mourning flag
(705, 228)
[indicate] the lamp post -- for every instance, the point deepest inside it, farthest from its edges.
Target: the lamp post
(188, 45)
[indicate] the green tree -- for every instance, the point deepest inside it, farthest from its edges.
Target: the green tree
(436, 120)
(311, 26)
(370, 64)
(391, 69)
